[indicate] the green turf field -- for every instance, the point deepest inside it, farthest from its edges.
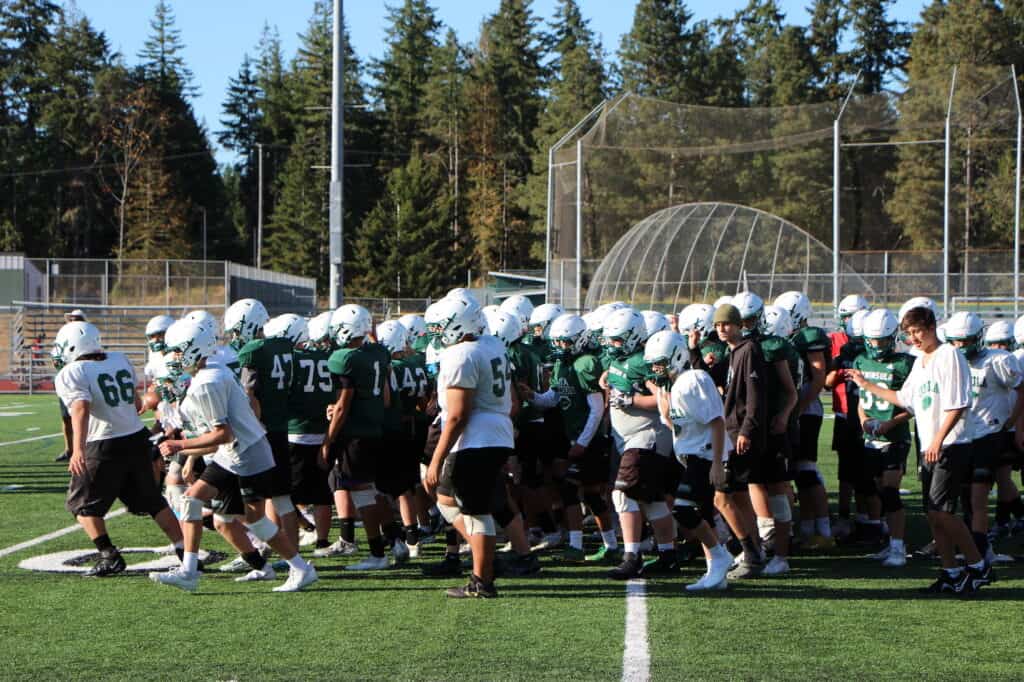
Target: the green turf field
(836, 616)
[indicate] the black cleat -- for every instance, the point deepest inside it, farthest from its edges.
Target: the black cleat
(977, 579)
(518, 567)
(665, 564)
(62, 457)
(449, 567)
(947, 584)
(630, 567)
(927, 552)
(110, 563)
(474, 589)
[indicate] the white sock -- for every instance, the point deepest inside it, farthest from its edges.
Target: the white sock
(190, 563)
(896, 545)
(807, 527)
(632, 547)
(823, 527)
(610, 541)
(666, 546)
(765, 526)
(297, 562)
(576, 539)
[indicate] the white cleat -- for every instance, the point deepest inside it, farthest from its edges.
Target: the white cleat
(400, 551)
(298, 579)
(370, 563)
(268, 573)
(307, 538)
(895, 560)
(699, 585)
(777, 566)
(166, 550)
(414, 551)
(883, 555)
(177, 578)
(236, 565)
(340, 548)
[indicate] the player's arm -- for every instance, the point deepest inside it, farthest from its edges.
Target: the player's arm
(251, 384)
(717, 473)
(816, 360)
(458, 402)
(890, 424)
(834, 378)
(79, 411)
(647, 402)
(66, 428)
(219, 435)
(886, 394)
(790, 395)
(949, 420)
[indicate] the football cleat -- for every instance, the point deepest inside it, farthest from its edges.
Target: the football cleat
(177, 578)
(474, 589)
(571, 555)
(630, 568)
(947, 584)
(447, 567)
(110, 563)
(518, 566)
(400, 551)
(307, 538)
(605, 556)
(777, 566)
(895, 560)
(664, 564)
(979, 578)
(341, 547)
(267, 573)
(746, 570)
(414, 550)
(298, 579)
(236, 565)
(370, 563)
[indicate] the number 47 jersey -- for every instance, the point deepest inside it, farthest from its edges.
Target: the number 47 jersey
(888, 373)
(108, 385)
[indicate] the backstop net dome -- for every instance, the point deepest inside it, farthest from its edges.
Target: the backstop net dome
(697, 252)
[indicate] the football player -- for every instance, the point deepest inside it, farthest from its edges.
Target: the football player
(999, 335)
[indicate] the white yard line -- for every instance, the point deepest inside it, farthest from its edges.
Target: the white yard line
(31, 440)
(51, 536)
(636, 657)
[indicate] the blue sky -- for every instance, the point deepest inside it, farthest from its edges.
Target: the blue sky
(218, 32)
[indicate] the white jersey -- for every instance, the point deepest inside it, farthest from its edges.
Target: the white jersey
(995, 376)
(226, 357)
(108, 385)
(693, 405)
(215, 397)
(481, 365)
(170, 415)
(932, 389)
(154, 363)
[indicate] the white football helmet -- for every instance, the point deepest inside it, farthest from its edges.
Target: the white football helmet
(667, 350)
(244, 319)
(289, 326)
(654, 322)
(999, 331)
(455, 319)
(76, 339)
(1018, 331)
(918, 302)
(543, 316)
(776, 322)
(595, 322)
(521, 307)
(504, 325)
(350, 322)
(880, 324)
(568, 328)
(625, 324)
(194, 341)
(491, 308)
(722, 300)
(851, 304)
(855, 324)
(798, 306)
(319, 330)
(965, 326)
(699, 316)
(157, 325)
(170, 382)
(204, 317)
(414, 325)
(750, 305)
(392, 335)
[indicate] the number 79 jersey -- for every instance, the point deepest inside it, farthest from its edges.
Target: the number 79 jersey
(312, 392)
(108, 385)
(481, 365)
(890, 373)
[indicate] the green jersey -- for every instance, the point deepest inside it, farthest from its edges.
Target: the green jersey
(420, 343)
(574, 380)
(540, 347)
(715, 346)
(409, 385)
(267, 372)
(629, 374)
(363, 369)
(312, 392)
(777, 349)
(809, 340)
(888, 373)
(527, 367)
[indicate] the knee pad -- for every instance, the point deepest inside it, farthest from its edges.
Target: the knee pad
(364, 498)
(596, 502)
(655, 511)
(448, 513)
(264, 529)
(503, 516)
(479, 524)
(190, 508)
(225, 518)
(624, 504)
(807, 479)
(283, 504)
(174, 469)
(568, 492)
(891, 501)
(174, 495)
(779, 504)
(686, 515)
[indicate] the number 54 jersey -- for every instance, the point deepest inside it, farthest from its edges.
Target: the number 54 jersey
(481, 365)
(108, 385)
(888, 373)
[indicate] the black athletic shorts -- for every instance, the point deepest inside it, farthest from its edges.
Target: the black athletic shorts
(941, 480)
(433, 436)
(309, 480)
(645, 476)
(281, 476)
(891, 458)
(531, 442)
(355, 463)
(1010, 455)
(116, 469)
(771, 466)
(445, 487)
(695, 486)
(253, 488)
(737, 473)
(848, 443)
(398, 467)
(477, 481)
(593, 467)
(228, 501)
(555, 441)
(810, 429)
(986, 456)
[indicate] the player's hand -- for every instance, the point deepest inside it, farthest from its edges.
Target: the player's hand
(170, 447)
(779, 424)
(717, 474)
(330, 412)
(742, 445)
(188, 470)
(709, 360)
(883, 427)
(76, 465)
(525, 392)
(432, 477)
(856, 376)
(576, 451)
(324, 460)
(673, 322)
(931, 454)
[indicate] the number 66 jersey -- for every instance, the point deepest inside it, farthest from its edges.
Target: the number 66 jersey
(108, 385)
(888, 373)
(481, 365)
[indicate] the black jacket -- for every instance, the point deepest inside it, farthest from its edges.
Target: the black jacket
(746, 404)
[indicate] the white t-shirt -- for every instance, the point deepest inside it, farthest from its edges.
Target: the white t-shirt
(936, 385)
(108, 386)
(481, 365)
(226, 357)
(995, 376)
(154, 363)
(170, 415)
(215, 397)
(695, 403)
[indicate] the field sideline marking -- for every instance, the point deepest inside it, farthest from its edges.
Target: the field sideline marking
(52, 536)
(636, 657)
(51, 435)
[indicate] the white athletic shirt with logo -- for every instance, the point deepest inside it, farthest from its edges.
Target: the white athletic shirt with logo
(693, 405)
(481, 365)
(995, 376)
(215, 397)
(931, 390)
(108, 386)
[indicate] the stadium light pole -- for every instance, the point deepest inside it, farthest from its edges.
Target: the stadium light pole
(836, 147)
(1016, 199)
(579, 226)
(259, 206)
(945, 203)
(337, 282)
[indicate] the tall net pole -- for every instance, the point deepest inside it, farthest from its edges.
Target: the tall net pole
(1016, 200)
(836, 147)
(336, 247)
(945, 202)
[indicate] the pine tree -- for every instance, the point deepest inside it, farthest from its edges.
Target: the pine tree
(829, 20)
(652, 55)
(880, 44)
(762, 25)
(161, 58)
(157, 219)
